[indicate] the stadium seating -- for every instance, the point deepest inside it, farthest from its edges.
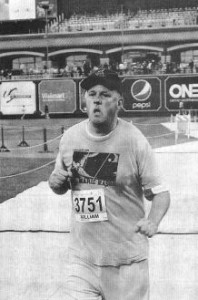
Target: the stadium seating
(120, 20)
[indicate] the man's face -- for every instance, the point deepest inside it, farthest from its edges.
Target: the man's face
(102, 105)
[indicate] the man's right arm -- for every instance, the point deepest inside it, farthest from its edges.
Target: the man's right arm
(59, 180)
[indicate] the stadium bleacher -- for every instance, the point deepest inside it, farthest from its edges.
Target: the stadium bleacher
(130, 20)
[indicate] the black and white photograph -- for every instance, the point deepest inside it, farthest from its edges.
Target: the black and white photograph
(98, 149)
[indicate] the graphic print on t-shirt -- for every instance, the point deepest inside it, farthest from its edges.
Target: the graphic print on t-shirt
(94, 167)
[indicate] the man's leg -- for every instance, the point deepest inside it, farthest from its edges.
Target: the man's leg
(128, 282)
(82, 282)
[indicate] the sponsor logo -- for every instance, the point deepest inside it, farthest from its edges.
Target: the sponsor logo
(141, 90)
(141, 105)
(12, 94)
(177, 91)
(47, 97)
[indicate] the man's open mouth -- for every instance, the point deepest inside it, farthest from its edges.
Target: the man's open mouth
(96, 110)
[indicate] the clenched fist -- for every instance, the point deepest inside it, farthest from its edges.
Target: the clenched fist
(59, 180)
(146, 227)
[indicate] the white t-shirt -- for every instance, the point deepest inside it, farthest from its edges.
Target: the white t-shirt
(111, 173)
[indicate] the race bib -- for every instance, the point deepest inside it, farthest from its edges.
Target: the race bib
(89, 205)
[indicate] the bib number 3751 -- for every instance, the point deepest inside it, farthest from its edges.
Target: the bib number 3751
(89, 205)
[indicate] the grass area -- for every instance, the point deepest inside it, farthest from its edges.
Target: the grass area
(13, 185)
(26, 159)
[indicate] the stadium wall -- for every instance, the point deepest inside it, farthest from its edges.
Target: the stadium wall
(143, 95)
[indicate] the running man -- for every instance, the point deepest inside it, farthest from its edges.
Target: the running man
(110, 167)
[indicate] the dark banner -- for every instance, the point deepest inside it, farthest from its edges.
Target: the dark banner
(59, 96)
(181, 89)
(142, 94)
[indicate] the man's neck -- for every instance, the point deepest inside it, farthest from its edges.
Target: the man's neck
(102, 129)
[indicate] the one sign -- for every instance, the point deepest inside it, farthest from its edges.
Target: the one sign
(17, 97)
(58, 95)
(181, 89)
(142, 94)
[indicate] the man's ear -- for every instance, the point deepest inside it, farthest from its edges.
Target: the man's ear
(120, 103)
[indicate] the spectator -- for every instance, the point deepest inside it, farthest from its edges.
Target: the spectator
(86, 68)
(46, 109)
(191, 66)
(149, 67)
(79, 70)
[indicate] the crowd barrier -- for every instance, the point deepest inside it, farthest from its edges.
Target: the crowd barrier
(24, 144)
(180, 124)
(146, 94)
(179, 173)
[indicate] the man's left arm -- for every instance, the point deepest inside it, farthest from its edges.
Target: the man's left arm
(153, 188)
(160, 204)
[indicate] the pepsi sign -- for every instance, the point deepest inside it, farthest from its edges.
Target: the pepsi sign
(141, 90)
(181, 89)
(142, 94)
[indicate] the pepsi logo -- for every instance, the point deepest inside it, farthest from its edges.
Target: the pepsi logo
(141, 90)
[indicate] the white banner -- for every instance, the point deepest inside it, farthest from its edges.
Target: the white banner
(4, 10)
(26, 9)
(20, 9)
(17, 98)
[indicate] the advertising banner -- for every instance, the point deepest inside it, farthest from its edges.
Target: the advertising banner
(142, 94)
(4, 10)
(183, 89)
(17, 10)
(17, 98)
(58, 96)
(20, 9)
(26, 9)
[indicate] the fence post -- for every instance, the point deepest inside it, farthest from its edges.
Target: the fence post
(3, 148)
(23, 143)
(45, 145)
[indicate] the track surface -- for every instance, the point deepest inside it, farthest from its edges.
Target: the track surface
(34, 264)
